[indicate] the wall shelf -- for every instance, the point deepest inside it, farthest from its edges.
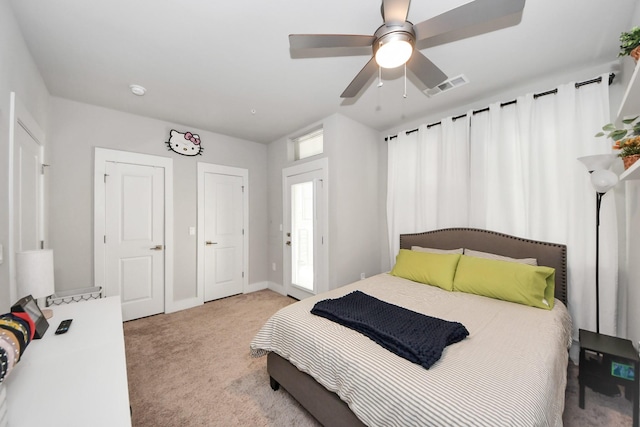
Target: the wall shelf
(632, 173)
(631, 100)
(631, 106)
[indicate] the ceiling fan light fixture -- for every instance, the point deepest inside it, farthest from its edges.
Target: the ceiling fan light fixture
(394, 50)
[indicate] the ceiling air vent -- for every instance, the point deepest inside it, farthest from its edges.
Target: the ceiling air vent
(446, 85)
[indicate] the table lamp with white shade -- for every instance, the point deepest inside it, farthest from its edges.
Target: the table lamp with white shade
(34, 275)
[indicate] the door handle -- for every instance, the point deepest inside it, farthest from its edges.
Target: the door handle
(157, 248)
(208, 242)
(288, 242)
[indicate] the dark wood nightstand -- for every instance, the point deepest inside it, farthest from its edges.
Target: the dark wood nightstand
(607, 359)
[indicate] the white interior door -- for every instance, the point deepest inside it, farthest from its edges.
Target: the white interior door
(223, 234)
(26, 187)
(28, 191)
(305, 228)
(134, 239)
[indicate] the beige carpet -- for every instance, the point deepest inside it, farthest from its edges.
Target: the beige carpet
(192, 368)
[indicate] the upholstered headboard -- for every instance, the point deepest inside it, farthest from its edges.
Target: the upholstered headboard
(549, 254)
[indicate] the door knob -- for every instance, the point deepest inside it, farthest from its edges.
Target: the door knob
(208, 242)
(288, 242)
(157, 248)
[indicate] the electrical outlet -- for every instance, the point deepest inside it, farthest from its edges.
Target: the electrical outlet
(362, 276)
(273, 266)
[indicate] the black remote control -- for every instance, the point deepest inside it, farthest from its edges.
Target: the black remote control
(64, 326)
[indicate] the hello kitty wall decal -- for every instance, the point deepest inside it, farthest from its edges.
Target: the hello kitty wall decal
(187, 143)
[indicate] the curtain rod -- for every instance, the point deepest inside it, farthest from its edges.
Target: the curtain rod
(504, 104)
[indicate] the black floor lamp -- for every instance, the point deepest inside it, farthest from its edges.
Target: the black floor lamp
(602, 180)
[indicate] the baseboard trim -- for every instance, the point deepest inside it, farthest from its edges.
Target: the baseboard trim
(194, 302)
(277, 287)
(182, 304)
(257, 286)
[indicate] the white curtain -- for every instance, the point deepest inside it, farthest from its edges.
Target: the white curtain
(425, 168)
(523, 178)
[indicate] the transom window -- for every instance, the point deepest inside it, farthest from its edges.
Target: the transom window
(307, 145)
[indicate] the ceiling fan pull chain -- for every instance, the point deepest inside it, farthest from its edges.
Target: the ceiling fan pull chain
(405, 81)
(379, 76)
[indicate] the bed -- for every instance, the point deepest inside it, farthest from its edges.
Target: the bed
(509, 371)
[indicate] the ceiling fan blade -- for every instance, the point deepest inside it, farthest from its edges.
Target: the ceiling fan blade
(395, 11)
(425, 70)
(470, 14)
(312, 41)
(360, 80)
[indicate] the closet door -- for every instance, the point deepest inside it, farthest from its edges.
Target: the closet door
(223, 233)
(134, 239)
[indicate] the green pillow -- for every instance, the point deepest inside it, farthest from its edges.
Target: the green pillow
(424, 267)
(509, 281)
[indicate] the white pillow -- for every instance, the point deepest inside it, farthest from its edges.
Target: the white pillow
(478, 254)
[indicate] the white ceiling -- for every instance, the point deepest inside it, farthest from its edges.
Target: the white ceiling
(208, 64)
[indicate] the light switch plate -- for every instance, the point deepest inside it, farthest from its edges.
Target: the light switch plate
(1, 253)
(192, 231)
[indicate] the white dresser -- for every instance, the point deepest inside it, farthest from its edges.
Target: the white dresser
(75, 379)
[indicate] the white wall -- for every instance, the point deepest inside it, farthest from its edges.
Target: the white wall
(354, 248)
(19, 74)
(77, 128)
(383, 154)
(353, 200)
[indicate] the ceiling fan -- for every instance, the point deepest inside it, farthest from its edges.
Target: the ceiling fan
(394, 42)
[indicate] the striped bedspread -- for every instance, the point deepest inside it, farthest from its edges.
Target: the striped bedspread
(509, 371)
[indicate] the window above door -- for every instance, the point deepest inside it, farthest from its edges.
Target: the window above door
(308, 145)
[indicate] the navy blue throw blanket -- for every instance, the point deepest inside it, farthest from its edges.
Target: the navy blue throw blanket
(414, 336)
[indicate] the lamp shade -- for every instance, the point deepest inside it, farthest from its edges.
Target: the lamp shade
(394, 50)
(603, 180)
(598, 161)
(34, 273)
